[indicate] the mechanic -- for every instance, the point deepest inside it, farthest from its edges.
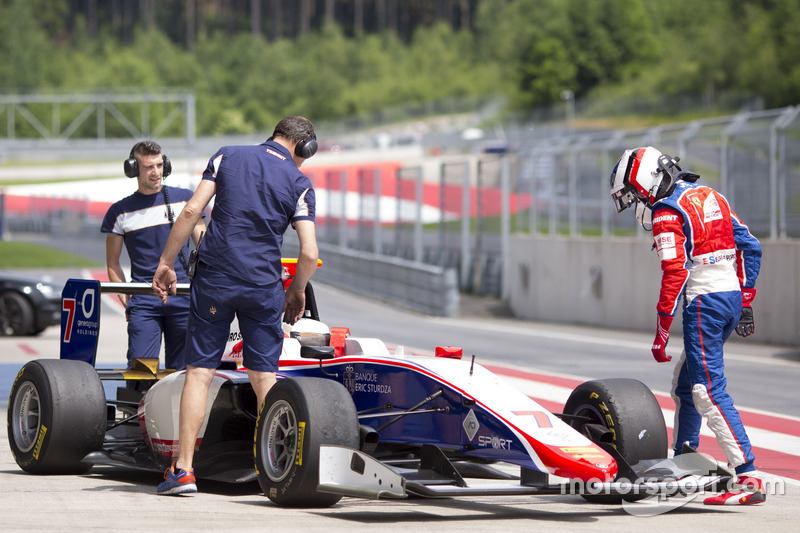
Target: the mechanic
(710, 258)
(142, 222)
(259, 192)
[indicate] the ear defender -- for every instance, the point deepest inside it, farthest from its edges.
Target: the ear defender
(167, 166)
(131, 166)
(307, 147)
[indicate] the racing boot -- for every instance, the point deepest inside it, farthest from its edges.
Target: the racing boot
(747, 490)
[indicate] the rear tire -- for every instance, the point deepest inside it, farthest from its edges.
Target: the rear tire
(56, 416)
(628, 409)
(298, 416)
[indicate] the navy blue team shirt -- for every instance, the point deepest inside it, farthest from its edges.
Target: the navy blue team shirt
(259, 192)
(143, 222)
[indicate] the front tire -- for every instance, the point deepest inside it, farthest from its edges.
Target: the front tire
(56, 416)
(298, 416)
(630, 411)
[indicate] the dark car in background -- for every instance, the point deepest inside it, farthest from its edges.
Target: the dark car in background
(28, 304)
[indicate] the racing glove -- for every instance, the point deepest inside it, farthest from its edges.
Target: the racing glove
(663, 323)
(747, 325)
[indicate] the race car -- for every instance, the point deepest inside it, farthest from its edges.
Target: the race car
(348, 417)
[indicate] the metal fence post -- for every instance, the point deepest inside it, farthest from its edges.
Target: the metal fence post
(418, 245)
(377, 243)
(505, 228)
(343, 202)
(466, 258)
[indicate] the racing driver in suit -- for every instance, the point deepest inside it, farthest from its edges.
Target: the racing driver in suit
(708, 257)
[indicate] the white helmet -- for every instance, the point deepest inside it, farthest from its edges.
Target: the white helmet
(644, 175)
(311, 332)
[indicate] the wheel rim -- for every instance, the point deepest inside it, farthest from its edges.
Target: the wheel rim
(281, 441)
(26, 417)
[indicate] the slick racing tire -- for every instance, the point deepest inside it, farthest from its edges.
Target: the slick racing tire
(298, 416)
(630, 412)
(56, 416)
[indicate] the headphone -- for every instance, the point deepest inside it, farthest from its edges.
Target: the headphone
(307, 147)
(131, 166)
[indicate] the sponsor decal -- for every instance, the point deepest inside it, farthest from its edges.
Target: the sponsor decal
(498, 443)
(270, 151)
(665, 245)
(665, 218)
(711, 209)
(301, 432)
(39, 441)
(365, 381)
(713, 259)
(471, 425)
(609, 420)
(585, 452)
(540, 416)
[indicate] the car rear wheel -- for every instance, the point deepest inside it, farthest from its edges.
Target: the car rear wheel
(629, 411)
(16, 314)
(56, 416)
(298, 416)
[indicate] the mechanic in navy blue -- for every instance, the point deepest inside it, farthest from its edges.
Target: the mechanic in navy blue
(259, 191)
(141, 222)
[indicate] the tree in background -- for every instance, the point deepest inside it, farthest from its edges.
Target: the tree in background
(251, 62)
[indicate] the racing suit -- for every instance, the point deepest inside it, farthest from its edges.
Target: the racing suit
(707, 256)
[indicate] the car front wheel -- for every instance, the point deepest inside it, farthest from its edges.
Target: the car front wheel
(298, 416)
(629, 411)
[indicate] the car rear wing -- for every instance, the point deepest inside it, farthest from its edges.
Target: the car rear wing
(80, 309)
(80, 313)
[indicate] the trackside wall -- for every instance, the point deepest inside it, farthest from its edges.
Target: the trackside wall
(425, 288)
(614, 283)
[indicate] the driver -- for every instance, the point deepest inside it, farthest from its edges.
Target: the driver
(710, 258)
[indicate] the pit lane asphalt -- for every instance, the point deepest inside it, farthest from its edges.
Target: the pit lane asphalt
(111, 499)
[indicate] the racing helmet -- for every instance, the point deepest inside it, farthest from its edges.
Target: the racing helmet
(643, 175)
(310, 332)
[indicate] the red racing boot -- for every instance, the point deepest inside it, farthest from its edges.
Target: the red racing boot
(747, 490)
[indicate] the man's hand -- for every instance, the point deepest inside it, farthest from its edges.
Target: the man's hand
(747, 325)
(663, 323)
(165, 281)
(294, 306)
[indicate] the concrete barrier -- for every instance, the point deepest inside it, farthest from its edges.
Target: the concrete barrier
(425, 288)
(614, 283)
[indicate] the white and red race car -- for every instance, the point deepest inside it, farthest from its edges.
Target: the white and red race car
(347, 418)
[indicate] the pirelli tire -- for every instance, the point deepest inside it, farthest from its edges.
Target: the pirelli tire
(298, 416)
(630, 411)
(56, 416)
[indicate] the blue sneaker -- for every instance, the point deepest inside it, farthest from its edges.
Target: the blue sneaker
(174, 484)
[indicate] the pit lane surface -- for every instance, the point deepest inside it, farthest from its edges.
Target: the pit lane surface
(541, 359)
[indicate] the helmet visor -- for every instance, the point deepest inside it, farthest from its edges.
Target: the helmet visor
(623, 199)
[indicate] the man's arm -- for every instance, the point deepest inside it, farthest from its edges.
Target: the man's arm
(165, 278)
(114, 244)
(306, 266)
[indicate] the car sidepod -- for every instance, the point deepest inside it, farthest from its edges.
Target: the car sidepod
(461, 408)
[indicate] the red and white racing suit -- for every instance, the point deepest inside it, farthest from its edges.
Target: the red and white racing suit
(707, 256)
